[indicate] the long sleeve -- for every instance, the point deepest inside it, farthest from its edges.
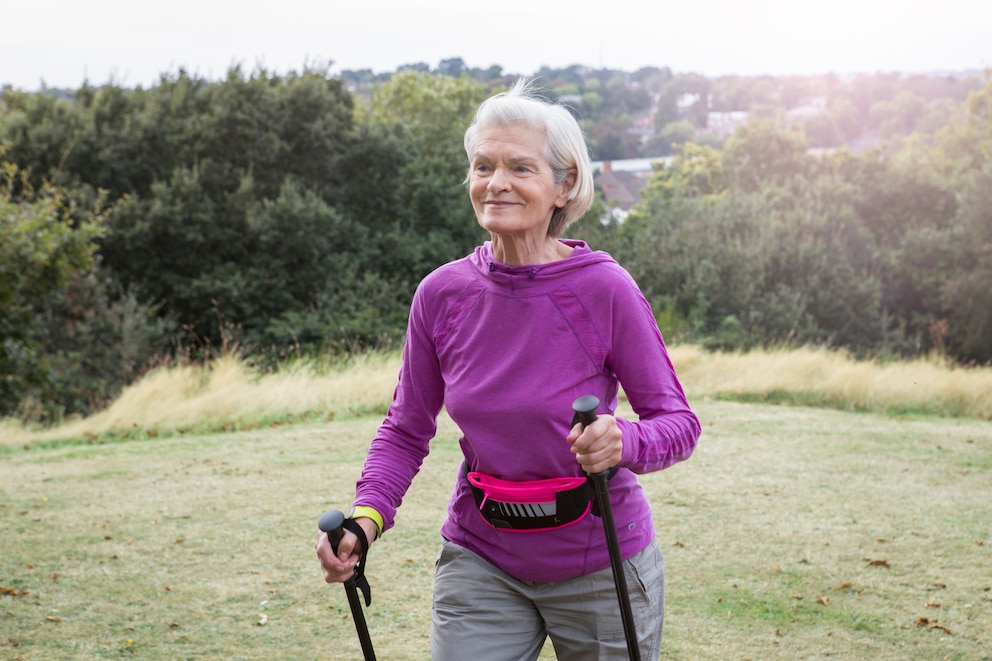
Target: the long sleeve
(667, 430)
(403, 440)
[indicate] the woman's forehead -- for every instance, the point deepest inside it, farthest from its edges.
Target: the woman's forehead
(516, 142)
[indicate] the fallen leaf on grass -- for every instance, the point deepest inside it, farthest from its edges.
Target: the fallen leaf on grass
(929, 625)
(932, 604)
(843, 586)
(53, 618)
(824, 600)
(797, 597)
(10, 643)
(877, 563)
(678, 543)
(262, 619)
(6, 590)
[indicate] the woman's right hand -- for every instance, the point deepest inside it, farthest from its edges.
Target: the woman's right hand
(339, 568)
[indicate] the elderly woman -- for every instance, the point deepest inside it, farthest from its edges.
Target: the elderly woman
(506, 339)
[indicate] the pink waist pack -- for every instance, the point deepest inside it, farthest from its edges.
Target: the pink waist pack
(531, 506)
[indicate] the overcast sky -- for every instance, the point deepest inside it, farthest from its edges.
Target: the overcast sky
(64, 42)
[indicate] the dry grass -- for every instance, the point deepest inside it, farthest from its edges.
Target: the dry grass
(793, 533)
(822, 377)
(229, 394)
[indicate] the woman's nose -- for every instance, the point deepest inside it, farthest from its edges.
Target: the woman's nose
(499, 180)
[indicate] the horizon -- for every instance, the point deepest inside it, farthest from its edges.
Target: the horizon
(338, 71)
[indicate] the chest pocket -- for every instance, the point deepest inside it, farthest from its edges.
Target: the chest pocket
(579, 319)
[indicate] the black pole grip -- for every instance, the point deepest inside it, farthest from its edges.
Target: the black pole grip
(585, 409)
(585, 412)
(331, 522)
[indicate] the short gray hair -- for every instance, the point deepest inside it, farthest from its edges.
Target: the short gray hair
(564, 145)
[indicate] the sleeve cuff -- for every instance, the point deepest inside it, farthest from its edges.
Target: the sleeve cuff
(629, 453)
(370, 513)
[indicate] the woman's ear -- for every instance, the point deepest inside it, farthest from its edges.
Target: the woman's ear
(564, 188)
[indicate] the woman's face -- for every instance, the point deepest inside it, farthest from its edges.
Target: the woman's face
(512, 186)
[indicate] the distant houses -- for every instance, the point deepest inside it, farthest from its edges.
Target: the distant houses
(722, 124)
(621, 182)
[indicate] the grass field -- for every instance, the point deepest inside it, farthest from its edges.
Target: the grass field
(793, 533)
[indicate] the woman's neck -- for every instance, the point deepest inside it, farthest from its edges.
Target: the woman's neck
(512, 252)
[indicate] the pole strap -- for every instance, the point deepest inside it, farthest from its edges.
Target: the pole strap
(358, 578)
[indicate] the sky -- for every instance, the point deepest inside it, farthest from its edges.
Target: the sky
(62, 43)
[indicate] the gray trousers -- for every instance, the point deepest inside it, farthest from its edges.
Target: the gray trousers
(483, 614)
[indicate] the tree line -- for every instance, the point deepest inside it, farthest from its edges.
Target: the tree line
(294, 214)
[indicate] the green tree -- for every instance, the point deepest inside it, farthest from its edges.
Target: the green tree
(761, 153)
(453, 67)
(40, 251)
(964, 158)
(433, 220)
(667, 140)
(967, 294)
(39, 133)
(188, 240)
(67, 345)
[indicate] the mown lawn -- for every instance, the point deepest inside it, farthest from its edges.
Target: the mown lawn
(793, 533)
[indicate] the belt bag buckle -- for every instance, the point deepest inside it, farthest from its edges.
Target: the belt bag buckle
(531, 506)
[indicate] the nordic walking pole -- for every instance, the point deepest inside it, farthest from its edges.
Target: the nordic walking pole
(332, 522)
(585, 411)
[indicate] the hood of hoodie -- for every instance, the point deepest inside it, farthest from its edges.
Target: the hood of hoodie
(501, 275)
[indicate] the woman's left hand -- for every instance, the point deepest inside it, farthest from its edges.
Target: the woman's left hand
(599, 446)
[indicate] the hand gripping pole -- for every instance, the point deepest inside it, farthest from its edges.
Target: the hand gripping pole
(334, 523)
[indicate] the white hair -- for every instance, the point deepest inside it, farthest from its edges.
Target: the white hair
(564, 145)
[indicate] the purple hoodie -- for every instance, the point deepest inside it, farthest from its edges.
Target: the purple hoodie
(507, 349)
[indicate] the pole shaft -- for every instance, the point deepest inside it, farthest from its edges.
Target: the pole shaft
(602, 487)
(357, 614)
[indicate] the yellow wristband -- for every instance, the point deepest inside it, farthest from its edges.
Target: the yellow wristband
(368, 512)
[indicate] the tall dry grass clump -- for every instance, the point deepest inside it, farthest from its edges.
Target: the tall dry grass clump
(229, 393)
(831, 378)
